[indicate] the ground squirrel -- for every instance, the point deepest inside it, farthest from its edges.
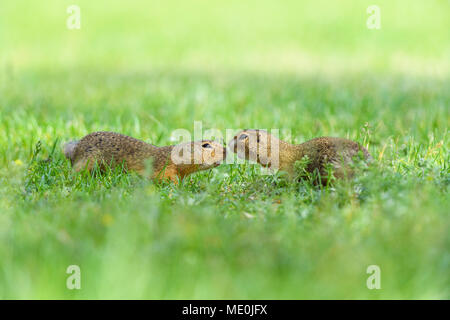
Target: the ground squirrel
(169, 162)
(267, 150)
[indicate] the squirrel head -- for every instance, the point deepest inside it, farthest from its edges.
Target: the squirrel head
(256, 145)
(198, 155)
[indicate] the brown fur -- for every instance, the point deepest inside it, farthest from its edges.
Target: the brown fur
(112, 149)
(338, 152)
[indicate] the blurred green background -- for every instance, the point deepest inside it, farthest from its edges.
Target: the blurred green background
(146, 68)
(296, 36)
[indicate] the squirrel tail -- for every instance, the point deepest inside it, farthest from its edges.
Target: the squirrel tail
(69, 149)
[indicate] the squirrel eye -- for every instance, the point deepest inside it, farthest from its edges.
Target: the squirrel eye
(243, 137)
(206, 145)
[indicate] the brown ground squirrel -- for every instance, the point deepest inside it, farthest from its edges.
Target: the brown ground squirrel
(169, 162)
(262, 147)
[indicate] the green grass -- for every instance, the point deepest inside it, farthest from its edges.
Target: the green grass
(306, 68)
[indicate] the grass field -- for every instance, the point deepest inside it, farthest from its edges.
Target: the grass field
(145, 69)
